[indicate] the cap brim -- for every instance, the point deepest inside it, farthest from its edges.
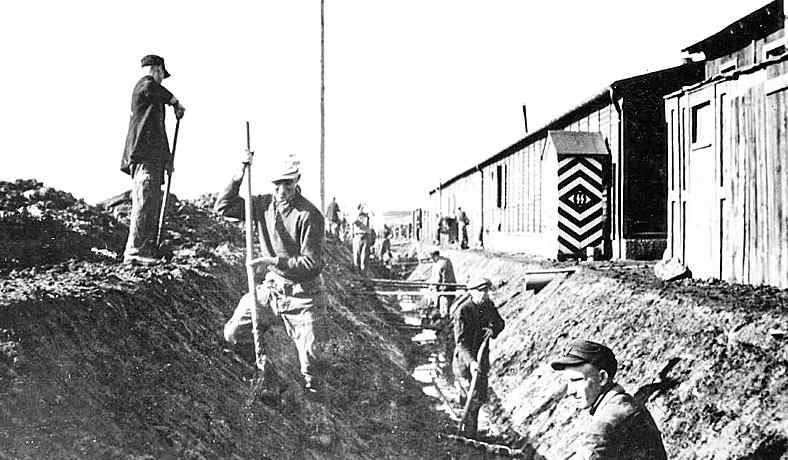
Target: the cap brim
(166, 74)
(566, 361)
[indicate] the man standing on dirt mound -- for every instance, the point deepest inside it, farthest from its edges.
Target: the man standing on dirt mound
(620, 427)
(145, 157)
(291, 234)
(476, 321)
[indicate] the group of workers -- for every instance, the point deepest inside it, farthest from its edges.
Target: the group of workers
(621, 428)
(291, 233)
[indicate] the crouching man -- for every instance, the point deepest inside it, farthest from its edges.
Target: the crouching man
(475, 321)
(291, 235)
(620, 428)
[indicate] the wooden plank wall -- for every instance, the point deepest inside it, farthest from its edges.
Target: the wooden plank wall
(753, 146)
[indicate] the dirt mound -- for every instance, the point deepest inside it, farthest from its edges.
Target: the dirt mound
(101, 360)
(710, 359)
(41, 225)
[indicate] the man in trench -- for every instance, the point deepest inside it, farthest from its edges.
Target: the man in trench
(145, 157)
(291, 234)
(442, 273)
(620, 427)
(475, 320)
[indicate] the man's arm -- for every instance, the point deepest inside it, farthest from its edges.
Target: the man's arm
(495, 322)
(310, 262)
(229, 203)
(462, 335)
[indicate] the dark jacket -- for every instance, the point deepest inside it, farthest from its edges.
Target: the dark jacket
(332, 212)
(469, 321)
(295, 235)
(146, 141)
(620, 429)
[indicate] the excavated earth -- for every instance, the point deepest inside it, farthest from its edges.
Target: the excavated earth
(709, 359)
(102, 360)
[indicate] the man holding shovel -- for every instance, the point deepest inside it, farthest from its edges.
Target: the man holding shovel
(145, 157)
(291, 234)
(476, 322)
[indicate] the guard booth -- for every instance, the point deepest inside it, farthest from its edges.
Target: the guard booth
(575, 179)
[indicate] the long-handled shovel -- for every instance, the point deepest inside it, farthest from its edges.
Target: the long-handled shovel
(259, 356)
(168, 180)
(474, 383)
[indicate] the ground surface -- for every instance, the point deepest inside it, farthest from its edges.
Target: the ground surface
(100, 360)
(710, 359)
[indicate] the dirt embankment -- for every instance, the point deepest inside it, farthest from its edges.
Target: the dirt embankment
(99, 360)
(710, 359)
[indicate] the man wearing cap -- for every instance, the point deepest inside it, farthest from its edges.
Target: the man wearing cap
(442, 273)
(291, 235)
(362, 234)
(620, 427)
(476, 320)
(332, 213)
(145, 157)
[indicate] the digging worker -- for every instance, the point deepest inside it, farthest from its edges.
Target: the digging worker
(332, 213)
(443, 273)
(361, 241)
(476, 320)
(145, 157)
(620, 427)
(291, 234)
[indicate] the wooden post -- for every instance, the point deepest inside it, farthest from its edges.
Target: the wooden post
(259, 355)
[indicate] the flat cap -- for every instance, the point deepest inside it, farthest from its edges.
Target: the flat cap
(587, 352)
(153, 59)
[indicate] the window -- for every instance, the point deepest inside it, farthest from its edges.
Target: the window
(702, 125)
(499, 186)
(727, 66)
(773, 49)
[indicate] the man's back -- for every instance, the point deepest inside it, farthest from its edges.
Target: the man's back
(621, 429)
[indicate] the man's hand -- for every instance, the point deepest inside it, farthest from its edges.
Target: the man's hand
(474, 366)
(246, 157)
(487, 332)
(179, 110)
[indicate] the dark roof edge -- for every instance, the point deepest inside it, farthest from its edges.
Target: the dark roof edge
(732, 75)
(752, 16)
(597, 97)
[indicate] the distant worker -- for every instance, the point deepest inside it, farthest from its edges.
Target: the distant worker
(333, 216)
(361, 246)
(145, 157)
(476, 320)
(620, 428)
(463, 221)
(291, 242)
(443, 273)
(385, 254)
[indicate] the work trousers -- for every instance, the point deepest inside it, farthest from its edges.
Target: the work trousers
(361, 252)
(463, 236)
(146, 180)
(301, 314)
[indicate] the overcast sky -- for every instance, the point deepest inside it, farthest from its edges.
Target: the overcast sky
(416, 90)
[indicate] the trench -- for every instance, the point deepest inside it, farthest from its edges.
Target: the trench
(431, 365)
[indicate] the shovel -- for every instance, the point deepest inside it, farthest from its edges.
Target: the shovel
(474, 383)
(168, 181)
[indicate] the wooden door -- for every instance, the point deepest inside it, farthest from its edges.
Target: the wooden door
(702, 209)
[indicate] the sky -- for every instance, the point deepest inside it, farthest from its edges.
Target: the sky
(416, 90)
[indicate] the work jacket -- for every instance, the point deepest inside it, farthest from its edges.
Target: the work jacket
(332, 212)
(146, 141)
(292, 233)
(620, 429)
(443, 272)
(470, 320)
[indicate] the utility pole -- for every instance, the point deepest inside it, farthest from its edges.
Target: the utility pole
(322, 106)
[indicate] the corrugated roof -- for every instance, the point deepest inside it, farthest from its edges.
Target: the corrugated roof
(577, 143)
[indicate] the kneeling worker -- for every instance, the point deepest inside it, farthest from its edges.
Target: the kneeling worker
(291, 235)
(476, 320)
(620, 428)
